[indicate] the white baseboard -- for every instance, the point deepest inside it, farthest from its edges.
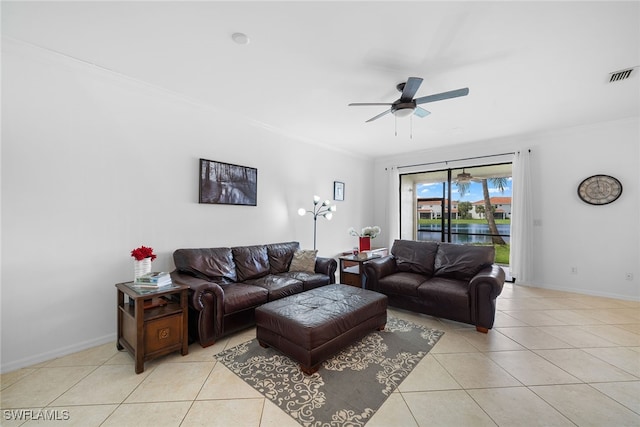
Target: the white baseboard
(59, 352)
(580, 291)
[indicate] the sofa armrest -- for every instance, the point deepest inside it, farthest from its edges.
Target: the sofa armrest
(206, 306)
(490, 277)
(327, 266)
(376, 269)
(484, 288)
(198, 288)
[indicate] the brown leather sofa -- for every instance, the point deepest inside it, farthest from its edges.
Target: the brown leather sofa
(456, 282)
(227, 284)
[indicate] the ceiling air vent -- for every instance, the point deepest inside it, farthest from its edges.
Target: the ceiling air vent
(617, 76)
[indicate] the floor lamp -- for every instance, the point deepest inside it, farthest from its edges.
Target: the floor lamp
(324, 209)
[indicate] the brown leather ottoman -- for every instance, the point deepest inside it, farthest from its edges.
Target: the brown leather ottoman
(312, 326)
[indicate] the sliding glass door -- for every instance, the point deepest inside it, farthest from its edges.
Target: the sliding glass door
(470, 205)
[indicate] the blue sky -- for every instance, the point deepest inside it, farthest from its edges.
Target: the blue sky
(473, 194)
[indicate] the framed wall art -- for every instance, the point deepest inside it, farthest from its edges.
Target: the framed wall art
(227, 184)
(338, 190)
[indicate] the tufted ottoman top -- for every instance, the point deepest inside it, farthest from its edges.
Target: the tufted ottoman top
(312, 318)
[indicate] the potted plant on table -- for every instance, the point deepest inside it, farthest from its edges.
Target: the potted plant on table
(142, 261)
(365, 235)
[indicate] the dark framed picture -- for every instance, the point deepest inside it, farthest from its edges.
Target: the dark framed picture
(227, 184)
(338, 190)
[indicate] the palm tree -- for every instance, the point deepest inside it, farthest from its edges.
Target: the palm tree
(500, 184)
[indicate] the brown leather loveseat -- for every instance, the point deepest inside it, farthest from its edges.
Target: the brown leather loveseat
(227, 284)
(456, 282)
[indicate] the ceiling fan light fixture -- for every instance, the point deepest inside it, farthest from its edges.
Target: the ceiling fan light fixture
(403, 109)
(405, 112)
(463, 177)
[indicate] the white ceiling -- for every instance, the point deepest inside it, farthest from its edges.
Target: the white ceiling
(529, 66)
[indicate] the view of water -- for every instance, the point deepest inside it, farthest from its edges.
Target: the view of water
(464, 233)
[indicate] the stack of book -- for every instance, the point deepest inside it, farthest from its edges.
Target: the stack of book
(153, 280)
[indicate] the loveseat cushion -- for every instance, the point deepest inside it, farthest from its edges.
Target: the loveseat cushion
(462, 261)
(415, 257)
(280, 255)
(450, 294)
(240, 296)
(213, 264)
(277, 286)
(402, 283)
(251, 261)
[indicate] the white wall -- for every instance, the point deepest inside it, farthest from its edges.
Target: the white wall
(602, 242)
(95, 165)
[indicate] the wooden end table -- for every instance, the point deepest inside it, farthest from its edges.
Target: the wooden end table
(154, 322)
(351, 269)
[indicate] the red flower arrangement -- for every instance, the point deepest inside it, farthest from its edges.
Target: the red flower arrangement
(143, 252)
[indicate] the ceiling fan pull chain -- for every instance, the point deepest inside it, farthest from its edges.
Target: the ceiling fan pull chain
(395, 120)
(411, 127)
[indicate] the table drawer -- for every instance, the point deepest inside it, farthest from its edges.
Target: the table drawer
(162, 333)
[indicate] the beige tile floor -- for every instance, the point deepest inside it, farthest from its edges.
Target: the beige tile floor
(552, 359)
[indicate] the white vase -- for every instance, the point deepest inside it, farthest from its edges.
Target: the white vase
(142, 267)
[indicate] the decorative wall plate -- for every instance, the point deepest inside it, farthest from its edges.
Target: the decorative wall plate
(599, 190)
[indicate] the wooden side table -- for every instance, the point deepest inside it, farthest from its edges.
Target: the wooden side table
(351, 266)
(153, 323)
(351, 269)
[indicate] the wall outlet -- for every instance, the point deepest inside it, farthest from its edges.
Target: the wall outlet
(574, 270)
(629, 276)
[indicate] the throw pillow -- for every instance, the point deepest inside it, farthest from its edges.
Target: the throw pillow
(304, 260)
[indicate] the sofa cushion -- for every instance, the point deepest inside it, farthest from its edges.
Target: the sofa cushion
(309, 280)
(251, 261)
(441, 292)
(462, 261)
(280, 255)
(214, 264)
(403, 283)
(415, 257)
(278, 286)
(240, 296)
(304, 261)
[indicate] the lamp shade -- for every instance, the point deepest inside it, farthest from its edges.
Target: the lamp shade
(302, 211)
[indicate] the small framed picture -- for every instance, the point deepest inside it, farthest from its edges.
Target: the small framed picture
(338, 190)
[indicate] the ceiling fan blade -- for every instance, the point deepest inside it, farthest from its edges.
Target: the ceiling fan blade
(421, 112)
(369, 103)
(379, 115)
(444, 95)
(410, 89)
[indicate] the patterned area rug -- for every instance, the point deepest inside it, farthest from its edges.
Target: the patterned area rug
(349, 388)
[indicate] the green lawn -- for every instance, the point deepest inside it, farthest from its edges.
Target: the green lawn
(502, 254)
